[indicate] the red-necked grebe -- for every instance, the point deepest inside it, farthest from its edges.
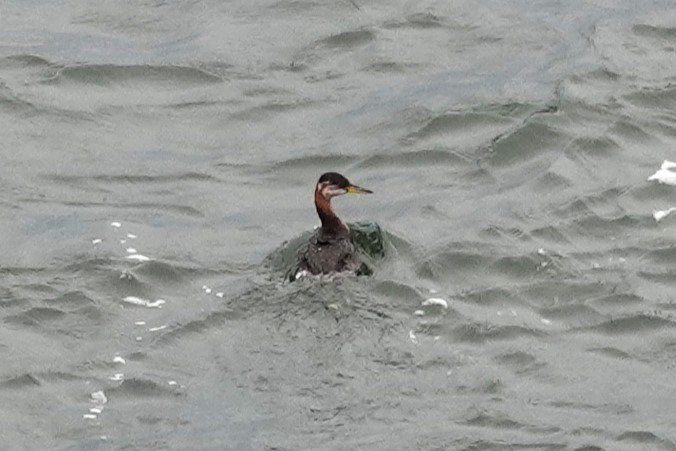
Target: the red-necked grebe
(330, 249)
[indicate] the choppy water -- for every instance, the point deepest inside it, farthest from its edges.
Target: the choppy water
(508, 145)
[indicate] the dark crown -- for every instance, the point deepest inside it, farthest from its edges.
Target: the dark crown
(335, 179)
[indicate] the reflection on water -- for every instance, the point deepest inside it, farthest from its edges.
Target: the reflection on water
(155, 175)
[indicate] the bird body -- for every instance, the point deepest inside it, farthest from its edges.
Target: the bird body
(324, 257)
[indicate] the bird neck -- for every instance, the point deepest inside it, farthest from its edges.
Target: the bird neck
(332, 226)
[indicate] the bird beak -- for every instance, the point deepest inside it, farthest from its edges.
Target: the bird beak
(358, 189)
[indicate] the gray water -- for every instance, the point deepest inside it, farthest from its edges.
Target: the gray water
(508, 144)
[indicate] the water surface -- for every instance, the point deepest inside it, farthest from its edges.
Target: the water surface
(158, 159)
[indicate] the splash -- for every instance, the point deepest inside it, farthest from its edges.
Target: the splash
(435, 301)
(668, 177)
(664, 175)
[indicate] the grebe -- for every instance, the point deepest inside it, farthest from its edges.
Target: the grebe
(330, 249)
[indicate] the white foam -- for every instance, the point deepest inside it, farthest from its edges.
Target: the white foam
(96, 240)
(131, 250)
(155, 329)
(545, 321)
(219, 294)
(123, 241)
(172, 382)
(541, 251)
(139, 257)
(300, 274)
(664, 175)
(435, 301)
(140, 323)
(412, 337)
(99, 397)
(119, 359)
(89, 416)
(144, 302)
(96, 410)
(131, 235)
(419, 312)
(136, 301)
(661, 214)
(115, 224)
(139, 338)
(117, 377)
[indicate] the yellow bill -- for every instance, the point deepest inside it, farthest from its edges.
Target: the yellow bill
(358, 189)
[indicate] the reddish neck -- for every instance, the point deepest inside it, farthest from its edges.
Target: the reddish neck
(332, 226)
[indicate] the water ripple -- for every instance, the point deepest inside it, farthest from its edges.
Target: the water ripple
(111, 75)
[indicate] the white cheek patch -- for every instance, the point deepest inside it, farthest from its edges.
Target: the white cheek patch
(328, 190)
(335, 191)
